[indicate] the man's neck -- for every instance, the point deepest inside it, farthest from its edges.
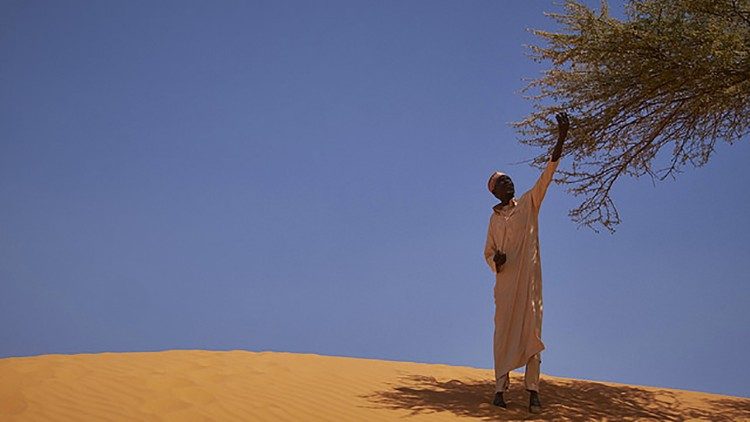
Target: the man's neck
(503, 205)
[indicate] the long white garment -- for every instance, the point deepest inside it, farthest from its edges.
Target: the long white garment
(513, 229)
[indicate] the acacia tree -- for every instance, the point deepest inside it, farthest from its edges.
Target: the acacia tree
(673, 77)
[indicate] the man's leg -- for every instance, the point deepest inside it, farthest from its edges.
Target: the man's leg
(531, 377)
(502, 383)
(501, 386)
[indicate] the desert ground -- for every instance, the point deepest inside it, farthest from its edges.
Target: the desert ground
(238, 385)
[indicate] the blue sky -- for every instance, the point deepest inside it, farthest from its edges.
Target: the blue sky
(311, 177)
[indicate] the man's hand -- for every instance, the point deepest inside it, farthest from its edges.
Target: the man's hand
(563, 124)
(499, 259)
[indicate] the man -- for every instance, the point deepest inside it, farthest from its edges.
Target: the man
(512, 252)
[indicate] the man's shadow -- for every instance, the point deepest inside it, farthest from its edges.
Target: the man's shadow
(561, 400)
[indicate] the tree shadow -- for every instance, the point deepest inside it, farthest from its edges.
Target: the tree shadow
(561, 400)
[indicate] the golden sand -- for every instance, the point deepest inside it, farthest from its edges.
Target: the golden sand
(199, 385)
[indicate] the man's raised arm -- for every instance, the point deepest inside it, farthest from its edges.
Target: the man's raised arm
(540, 187)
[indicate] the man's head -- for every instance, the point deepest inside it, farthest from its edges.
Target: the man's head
(501, 185)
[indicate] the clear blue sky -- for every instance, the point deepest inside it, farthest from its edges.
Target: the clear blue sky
(311, 177)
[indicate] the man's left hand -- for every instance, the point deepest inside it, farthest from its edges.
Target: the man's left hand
(563, 124)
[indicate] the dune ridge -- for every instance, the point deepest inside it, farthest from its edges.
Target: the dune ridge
(239, 385)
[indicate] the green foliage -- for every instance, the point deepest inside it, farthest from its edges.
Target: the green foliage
(674, 76)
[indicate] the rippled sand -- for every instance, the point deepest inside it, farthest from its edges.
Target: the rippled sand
(199, 385)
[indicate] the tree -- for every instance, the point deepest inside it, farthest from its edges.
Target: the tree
(673, 77)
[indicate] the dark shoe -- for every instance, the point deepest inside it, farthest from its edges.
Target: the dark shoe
(535, 406)
(499, 400)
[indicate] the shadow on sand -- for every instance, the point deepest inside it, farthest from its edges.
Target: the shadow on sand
(561, 399)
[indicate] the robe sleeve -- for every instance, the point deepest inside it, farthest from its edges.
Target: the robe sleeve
(490, 247)
(537, 192)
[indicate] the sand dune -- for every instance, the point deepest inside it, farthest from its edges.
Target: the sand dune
(198, 385)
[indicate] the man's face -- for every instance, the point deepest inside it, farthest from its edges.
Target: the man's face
(504, 189)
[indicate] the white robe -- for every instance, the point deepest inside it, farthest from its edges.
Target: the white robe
(513, 229)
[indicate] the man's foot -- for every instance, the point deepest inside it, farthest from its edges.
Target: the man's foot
(535, 406)
(499, 400)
